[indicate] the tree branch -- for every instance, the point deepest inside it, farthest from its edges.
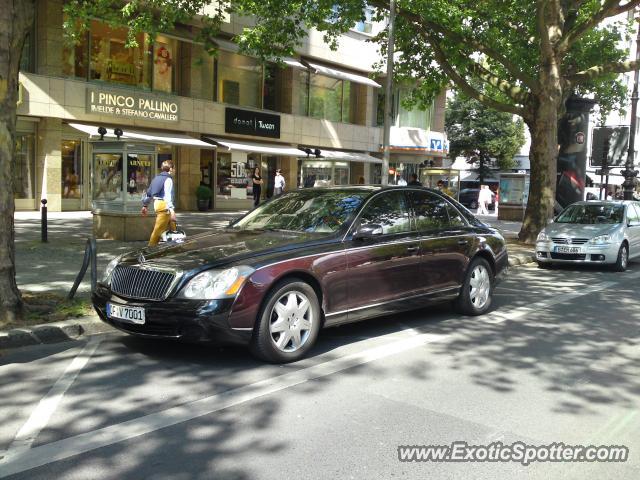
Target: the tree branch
(463, 84)
(421, 23)
(601, 70)
(512, 91)
(610, 8)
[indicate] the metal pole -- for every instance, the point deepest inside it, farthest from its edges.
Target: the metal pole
(43, 220)
(388, 92)
(629, 173)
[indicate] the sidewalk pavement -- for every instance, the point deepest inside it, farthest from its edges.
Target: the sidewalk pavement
(53, 266)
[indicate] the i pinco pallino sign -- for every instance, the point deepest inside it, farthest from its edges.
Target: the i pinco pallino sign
(148, 107)
(246, 122)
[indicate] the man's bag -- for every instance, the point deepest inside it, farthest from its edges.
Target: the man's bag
(175, 235)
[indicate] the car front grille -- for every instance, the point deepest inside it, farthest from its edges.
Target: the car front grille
(565, 241)
(143, 283)
(568, 256)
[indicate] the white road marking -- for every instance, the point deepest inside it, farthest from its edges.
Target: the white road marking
(39, 418)
(68, 447)
(86, 442)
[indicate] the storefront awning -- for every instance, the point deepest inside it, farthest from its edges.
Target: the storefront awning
(269, 149)
(332, 72)
(155, 137)
(348, 156)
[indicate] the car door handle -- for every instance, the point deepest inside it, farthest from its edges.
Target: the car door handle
(463, 242)
(413, 248)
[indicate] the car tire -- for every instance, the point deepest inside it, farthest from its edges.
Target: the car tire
(479, 276)
(285, 331)
(623, 259)
(545, 265)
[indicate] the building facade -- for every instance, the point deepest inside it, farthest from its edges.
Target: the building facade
(96, 118)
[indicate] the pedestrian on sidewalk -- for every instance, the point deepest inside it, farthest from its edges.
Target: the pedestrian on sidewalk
(484, 198)
(278, 183)
(413, 182)
(257, 182)
(161, 192)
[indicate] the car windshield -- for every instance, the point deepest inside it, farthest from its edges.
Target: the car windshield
(592, 214)
(304, 211)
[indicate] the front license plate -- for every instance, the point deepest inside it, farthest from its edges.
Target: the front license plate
(568, 249)
(128, 314)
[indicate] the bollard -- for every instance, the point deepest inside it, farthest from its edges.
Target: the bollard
(43, 220)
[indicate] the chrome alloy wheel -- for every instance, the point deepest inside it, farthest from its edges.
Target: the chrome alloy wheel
(291, 320)
(480, 286)
(624, 257)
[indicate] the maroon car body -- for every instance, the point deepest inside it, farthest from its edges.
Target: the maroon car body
(422, 257)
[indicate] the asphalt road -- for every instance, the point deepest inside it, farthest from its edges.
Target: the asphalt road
(557, 360)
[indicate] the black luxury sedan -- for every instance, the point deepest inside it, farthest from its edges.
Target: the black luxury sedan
(305, 260)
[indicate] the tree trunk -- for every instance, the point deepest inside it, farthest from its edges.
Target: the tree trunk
(543, 156)
(481, 171)
(16, 18)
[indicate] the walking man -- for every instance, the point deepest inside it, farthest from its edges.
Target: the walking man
(161, 192)
(484, 198)
(278, 183)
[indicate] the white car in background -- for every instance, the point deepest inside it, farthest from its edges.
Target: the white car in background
(593, 232)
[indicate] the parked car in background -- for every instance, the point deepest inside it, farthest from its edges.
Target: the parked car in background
(469, 198)
(304, 260)
(593, 232)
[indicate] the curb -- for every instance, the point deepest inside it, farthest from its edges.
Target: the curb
(54, 332)
(521, 259)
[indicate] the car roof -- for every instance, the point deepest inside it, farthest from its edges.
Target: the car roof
(604, 202)
(371, 188)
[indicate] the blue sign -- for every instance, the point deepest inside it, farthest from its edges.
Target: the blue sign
(436, 144)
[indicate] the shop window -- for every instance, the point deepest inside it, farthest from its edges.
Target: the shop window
(233, 177)
(239, 80)
(139, 171)
(111, 61)
(325, 98)
(107, 176)
(24, 167)
(72, 178)
(164, 64)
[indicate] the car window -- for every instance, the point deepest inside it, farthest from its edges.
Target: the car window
(389, 210)
(632, 213)
(455, 217)
(431, 211)
(592, 213)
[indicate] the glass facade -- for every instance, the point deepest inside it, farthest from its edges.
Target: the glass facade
(165, 53)
(403, 117)
(107, 176)
(325, 98)
(239, 80)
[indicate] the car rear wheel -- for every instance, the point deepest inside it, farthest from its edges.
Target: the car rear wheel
(623, 259)
(288, 324)
(475, 295)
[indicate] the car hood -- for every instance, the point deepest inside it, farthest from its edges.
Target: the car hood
(221, 248)
(576, 230)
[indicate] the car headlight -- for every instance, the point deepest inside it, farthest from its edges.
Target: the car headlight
(216, 284)
(106, 277)
(543, 237)
(601, 240)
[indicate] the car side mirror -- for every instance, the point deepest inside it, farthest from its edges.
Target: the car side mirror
(368, 231)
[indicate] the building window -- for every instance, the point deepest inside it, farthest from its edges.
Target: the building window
(24, 168)
(139, 170)
(111, 61)
(239, 80)
(300, 94)
(414, 117)
(366, 25)
(199, 77)
(165, 53)
(325, 98)
(72, 178)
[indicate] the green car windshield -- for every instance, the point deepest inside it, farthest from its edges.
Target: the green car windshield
(310, 211)
(592, 214)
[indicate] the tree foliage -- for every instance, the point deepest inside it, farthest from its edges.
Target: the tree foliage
(482, 135)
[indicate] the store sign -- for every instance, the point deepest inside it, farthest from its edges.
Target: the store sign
(246, 122)
(148, 107)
